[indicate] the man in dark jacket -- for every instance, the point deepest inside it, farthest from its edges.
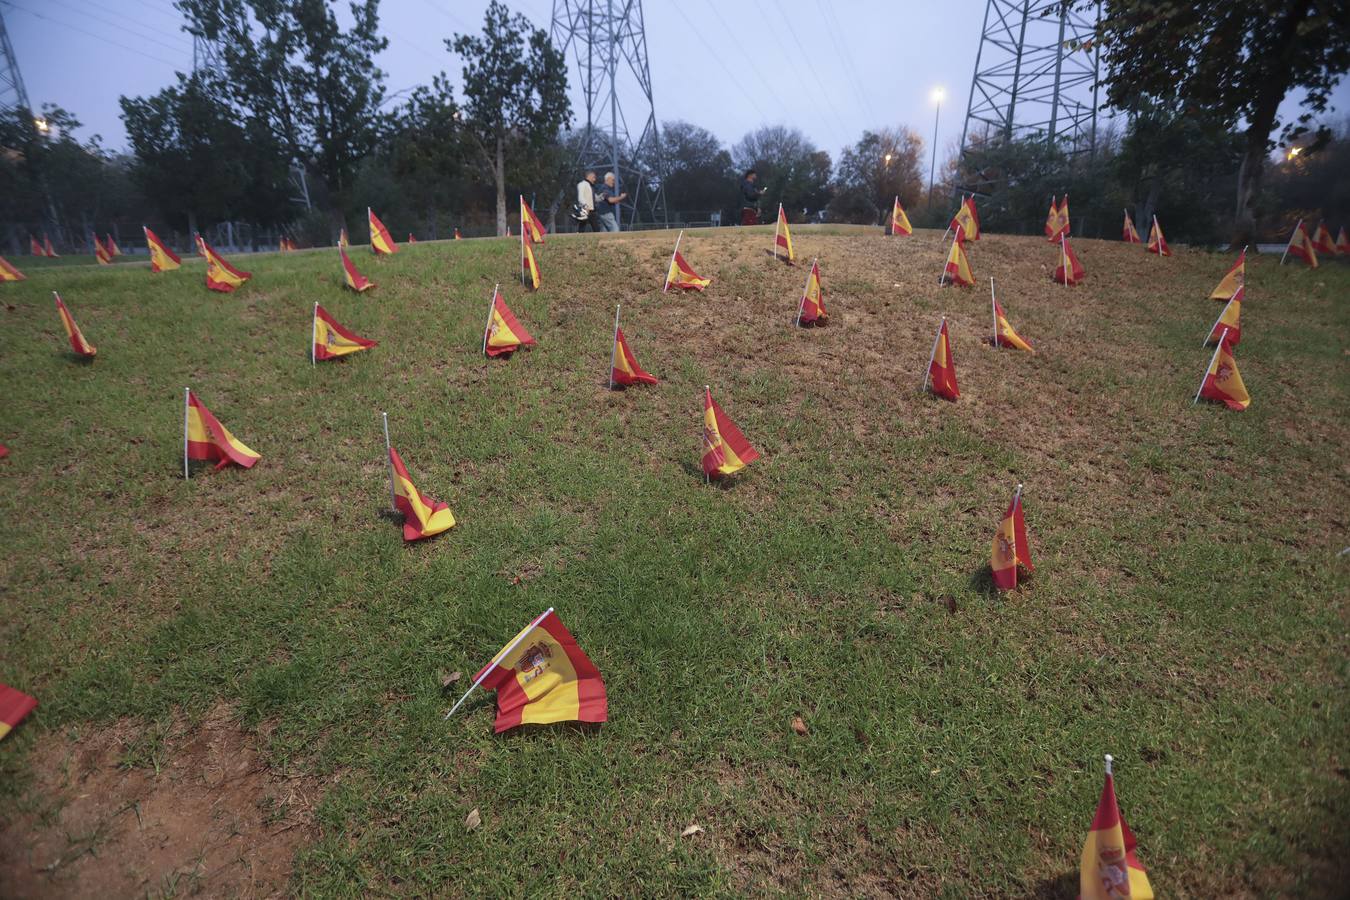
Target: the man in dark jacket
(750, 194)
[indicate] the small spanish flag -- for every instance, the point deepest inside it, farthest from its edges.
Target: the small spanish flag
(623, 365)
(220, 275)
(1222, 382)
(380, 240)
(1301, 245)
(1010, 546)
(332, 340)
(811, 311)
(101, 254)
(15, 706)
(355, 280)
(529, 269)
(1230, 319)
(1343, 242)
(201, 244)
(681, 275)
(1109, 869)
(900, 226)
(782, 238)
(34, 247)
(967, 220)
(111, 245)
(422, 516)
(82, 348)
(1064, 228)
(342, 237)
(958, 264)
(1004, 334)
(1128, 233)
(1232, 283)
(9, 273)
(504, 333)
(412, 238)
(162, 259)
(941, 375)
(458, 236)
(1322, 241)
(542, 677)
(1069, 271)
(1052, 221)
(207, 439)
(530, 226)
(725, 449)
(47, 245)
(1156, 242)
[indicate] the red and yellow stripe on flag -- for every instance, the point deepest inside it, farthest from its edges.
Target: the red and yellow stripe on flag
(9, 273)
(1232, 283)
(355, 280)
(4, 451)
(34, 247)
(381, 241)
(342, 236)
(1011, 548)
(782, 238)
(332, 340)
(682, 275)
(504, 333)
(1109, 869)
(458, 236)
(1343, 242)
(542, 676)
(967, 220)
(1322, 240)
(209, 440)
(162, 259)
(101, 253)
(529, 268)
(725, 449)
(958, 264)
(623, 368)
(111, 245)
(15, 706)
(1063, 216)
(201, 244)
(900, 226)
(941, 375)
(47, 245)
(220, 275)
(530, 226)
(811, 311)
(1004, 334)
(1301, 245)
(1128, 233)
(1052, 221)
(81, 347)
(1222, 382)
(1230, 319)
(1069, 271)
(1156, 242)
(422, 516)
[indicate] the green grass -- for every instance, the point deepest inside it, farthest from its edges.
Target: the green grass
(1188, 612)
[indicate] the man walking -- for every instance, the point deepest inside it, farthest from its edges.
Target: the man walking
(584, 211)
(750, 194)
(607, 202)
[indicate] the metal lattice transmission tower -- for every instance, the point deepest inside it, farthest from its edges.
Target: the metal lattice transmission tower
(607, 42)
(13, 95)
(1035, 76)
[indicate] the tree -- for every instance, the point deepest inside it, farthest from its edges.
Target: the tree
(699, 175)
(427, 153)
(1235, 61)
(873, 172)
(515, 90)
(791, 170)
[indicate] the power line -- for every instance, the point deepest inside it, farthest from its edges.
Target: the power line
(98, 37)
(825, 105)
(139, 23)
(137, 35)
(850, 70)
(730, 74)
(727, 28)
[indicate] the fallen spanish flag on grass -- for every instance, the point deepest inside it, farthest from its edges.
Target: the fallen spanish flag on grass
(220, 275)
(355, 280)
(380, 240)
(1004, 334)
(9, 273)
(681, 274)
(332, 340)
(504, 334)
(1222, 382)
(1301, 245)
(422, 516)
(623, 365)
(204, 438)
(725, 449)
(162, 259)
(1109, 868)
(82, 348)
(15, 706)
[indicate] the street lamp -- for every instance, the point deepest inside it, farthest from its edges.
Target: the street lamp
(936, 97)
(42, 125)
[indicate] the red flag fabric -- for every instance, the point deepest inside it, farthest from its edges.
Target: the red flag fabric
(1052, 221)
(1011, 547)
(78, 344)
(1109, 868)
(162, 259)
(458, 236)
(355, 280)
(102, 255)
(332, 339)
(1156, 242)
(1322, 240)
(9, 273)
(624, 369)
(811, 310)
(1343, 242)
(530, 225)
(34, 247)
(1301, 245)
(543, 677)
(942, 367)
(504, 333)
(725, 449)
(1129, 234)
(47, 246)
(15, 706)
(1070, 270)
(423, 517)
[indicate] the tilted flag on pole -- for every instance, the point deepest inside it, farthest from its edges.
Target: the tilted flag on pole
(541, 677)
(941, 372)
(811, 311)
(1343, 242)
(458, 236)
(623, 365)
(1129, 234)
(101, 254)
(530, 225)
(206, 439)
(412, 238)
(725, 449)
(1064, 224)
(380, 240)
(342, 237)
(111, 245)
(1004, 334)
(162, 259)
(681, 275)
(967, 220)
(504, 333)
(900, 226)
(332, 340)
(355, 280)
(78, 344)
(782, 238)
(422, 516)
(47, 245)
(1230, 319)
(1052, 220)
(1069, 271)
(1222, 382)
(9, 273)
(201, 244)
(1109, 869)
(34, 247)
(15, 706)
(958, 264)
(1301, 245)
(1156, 242)
(1229, 286)
(1322, 241)
(1011, 548)
(529, 269)
(220, 275)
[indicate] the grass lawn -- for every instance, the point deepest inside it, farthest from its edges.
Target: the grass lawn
(1188, 612)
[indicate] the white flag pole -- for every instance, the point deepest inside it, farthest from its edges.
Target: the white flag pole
(614, 347)
(1064, 257)
(492, 305)
(370, 226)
(1290, 242)
(703, 434)
(666, 287)
(389, 459)
(928, 369)
(1208, 367)
(1109, 760)
(187, 403)
(993, 309)
(942, 278)
(522, 240)
(1217, 321)
(496, 660)
(313, 327)
(801, 307)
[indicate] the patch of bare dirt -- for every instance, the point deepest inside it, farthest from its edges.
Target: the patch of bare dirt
(206, 817)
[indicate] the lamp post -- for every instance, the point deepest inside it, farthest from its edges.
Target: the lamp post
(937, 95)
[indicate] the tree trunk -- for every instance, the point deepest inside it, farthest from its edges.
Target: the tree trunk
(1250, 174)
(499, 172)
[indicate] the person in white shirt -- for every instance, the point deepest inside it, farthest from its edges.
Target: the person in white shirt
(585, 212)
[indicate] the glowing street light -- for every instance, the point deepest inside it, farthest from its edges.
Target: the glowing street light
(42, 125)
(936, 96)
(1294, 151)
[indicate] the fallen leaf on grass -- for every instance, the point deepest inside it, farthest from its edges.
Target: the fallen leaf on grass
(473, 819)
(450, 679)
(798, 725)
(692, 829)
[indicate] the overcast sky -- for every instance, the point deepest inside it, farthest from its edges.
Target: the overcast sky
(830, 67)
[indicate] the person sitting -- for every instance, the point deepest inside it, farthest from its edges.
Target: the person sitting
(607, 202)
(750, 194)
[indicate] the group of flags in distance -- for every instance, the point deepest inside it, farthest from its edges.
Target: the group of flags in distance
(1306, 247)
